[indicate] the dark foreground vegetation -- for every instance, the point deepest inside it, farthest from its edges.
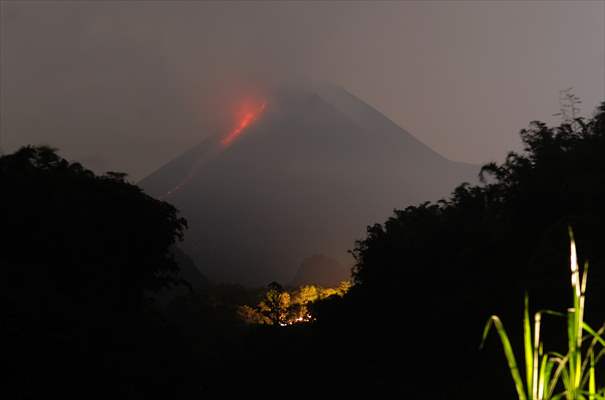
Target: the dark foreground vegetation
(93, 305)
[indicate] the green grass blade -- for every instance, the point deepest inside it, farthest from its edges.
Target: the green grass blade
(569, 376)
(508, 353)
(562, 363)
(546, 367)
(574, 372)
(527, 342)
(594, 334)
(592, 382)
(590, 351)
(536, 355)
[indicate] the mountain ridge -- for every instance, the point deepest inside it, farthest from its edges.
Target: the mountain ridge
(304, 179)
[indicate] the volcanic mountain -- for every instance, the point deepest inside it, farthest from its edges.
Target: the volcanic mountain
(320, 270)
(304, 172)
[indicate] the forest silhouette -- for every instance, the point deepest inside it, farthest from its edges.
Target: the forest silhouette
(97, 304)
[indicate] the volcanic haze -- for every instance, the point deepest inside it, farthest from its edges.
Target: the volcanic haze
(305, 176)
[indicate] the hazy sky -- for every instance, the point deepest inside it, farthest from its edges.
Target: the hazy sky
(129, 85)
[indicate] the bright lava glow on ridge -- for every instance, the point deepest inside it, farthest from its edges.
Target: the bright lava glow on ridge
(248, 118)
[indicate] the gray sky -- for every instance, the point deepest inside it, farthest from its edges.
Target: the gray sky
(129, 85)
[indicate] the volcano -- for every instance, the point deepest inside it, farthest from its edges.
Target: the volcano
(305, 174)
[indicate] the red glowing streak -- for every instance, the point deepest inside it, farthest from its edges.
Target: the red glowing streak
(248, 118)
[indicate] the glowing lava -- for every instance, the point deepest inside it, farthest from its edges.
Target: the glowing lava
(248, 118)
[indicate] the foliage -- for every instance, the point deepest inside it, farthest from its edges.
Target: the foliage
(456, 261)
(543, 370)
(89, 234)
(80, 256)
(280, 307)
(275, 304)
(79, 251)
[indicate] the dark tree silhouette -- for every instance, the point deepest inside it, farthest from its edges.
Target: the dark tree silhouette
(441, 269)
(80, 254)
(92, 235)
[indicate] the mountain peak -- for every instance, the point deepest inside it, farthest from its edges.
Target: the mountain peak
(306, 177)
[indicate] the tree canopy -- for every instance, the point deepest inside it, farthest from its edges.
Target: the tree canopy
(90, 235)
(80, 252)
(509, 222)
(280, 307)
(453, 263)
(79, 256)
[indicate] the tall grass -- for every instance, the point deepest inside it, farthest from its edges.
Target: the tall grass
(573, 373)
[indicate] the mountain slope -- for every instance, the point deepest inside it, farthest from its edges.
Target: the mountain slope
(320, 270)
(306, 178)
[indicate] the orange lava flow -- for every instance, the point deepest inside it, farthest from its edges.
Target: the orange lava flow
(247, 119)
